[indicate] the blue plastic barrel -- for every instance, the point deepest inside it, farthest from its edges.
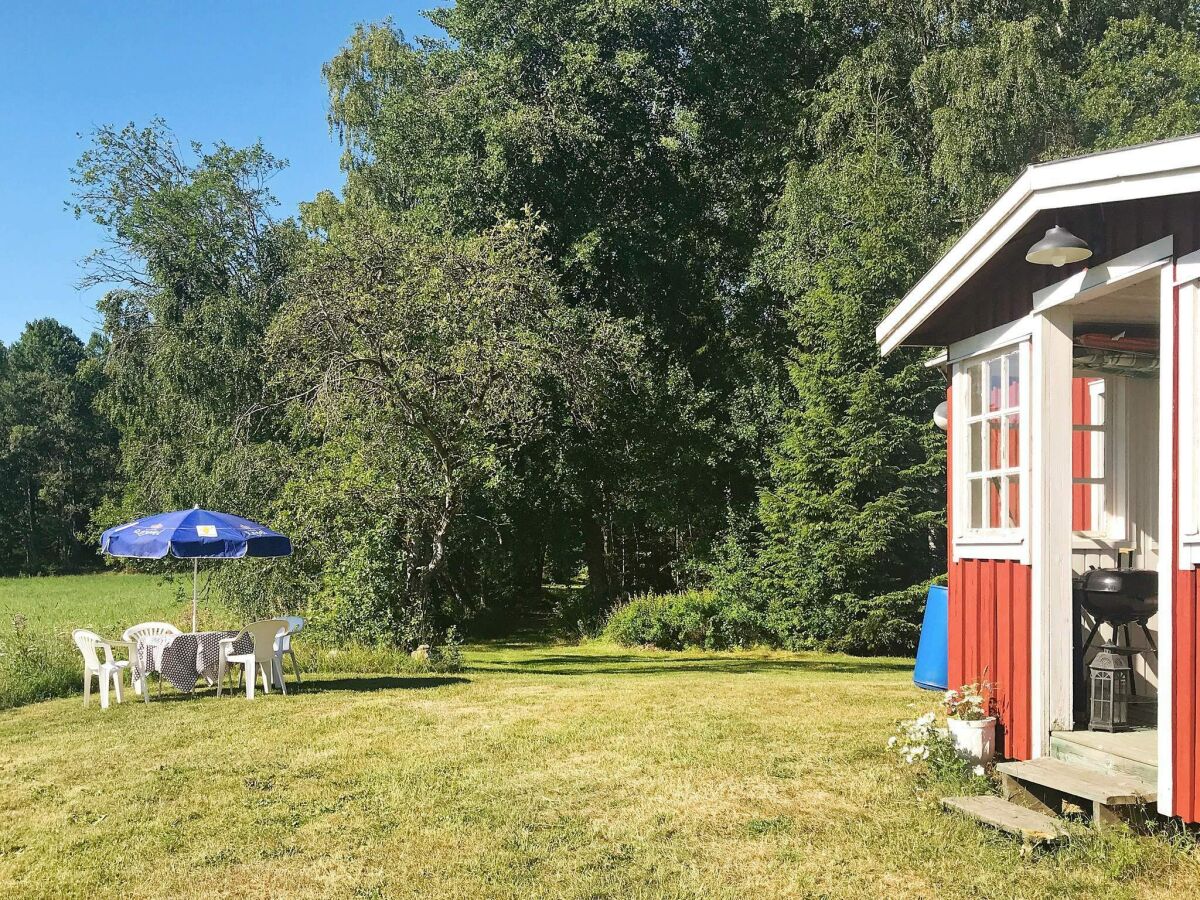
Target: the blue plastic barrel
(933, 650)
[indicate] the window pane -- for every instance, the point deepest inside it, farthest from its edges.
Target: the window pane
(992, 430)
(1080, 508)
(1095, 442)
(975, 444)
(1012, 441)
(1096, 405)
(1014, 501)
(975, 390)
(975, 506)
(1013, 374)
(994, 385)
(995, 503)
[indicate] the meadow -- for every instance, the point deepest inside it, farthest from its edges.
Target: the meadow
(539, 770)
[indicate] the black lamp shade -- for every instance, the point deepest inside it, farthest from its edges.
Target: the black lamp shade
(1058, 248)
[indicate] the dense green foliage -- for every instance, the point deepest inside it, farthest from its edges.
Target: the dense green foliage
(595, 303)
(57, 454)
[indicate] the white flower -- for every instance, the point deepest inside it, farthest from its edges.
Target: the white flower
(892, 741)
(978, 770)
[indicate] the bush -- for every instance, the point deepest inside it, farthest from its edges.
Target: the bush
(36, 665)
(685, 619)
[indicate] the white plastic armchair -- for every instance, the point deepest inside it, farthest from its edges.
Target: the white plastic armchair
(136, 633)
(260, 659)
(283, 644)
(88, 643)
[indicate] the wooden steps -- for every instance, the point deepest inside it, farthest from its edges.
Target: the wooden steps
(1123, 753)
(1030, 826)
(1045, 785)
(1036, 792)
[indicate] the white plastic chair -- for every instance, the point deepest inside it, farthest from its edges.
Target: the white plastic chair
(263, 635)
(109, 670)
(283, 644)
(136, 633)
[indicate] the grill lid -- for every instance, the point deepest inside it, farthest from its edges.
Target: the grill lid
(1139, 583)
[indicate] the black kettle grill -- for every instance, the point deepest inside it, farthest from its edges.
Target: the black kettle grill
(1120, 597)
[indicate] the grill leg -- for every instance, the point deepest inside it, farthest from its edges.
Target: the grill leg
(1132, 675)
(1149, 638)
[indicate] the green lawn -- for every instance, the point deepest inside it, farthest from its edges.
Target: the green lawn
(539, 771)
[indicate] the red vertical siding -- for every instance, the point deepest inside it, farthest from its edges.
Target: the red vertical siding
(989, 631)
(990, 641)
(1183, 681)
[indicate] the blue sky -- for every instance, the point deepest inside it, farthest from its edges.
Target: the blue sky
(227, 70)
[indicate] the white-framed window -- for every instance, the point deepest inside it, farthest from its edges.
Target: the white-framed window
(1098, 489)
(990, 453)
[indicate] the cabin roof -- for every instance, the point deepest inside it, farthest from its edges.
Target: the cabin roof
(1157, 169)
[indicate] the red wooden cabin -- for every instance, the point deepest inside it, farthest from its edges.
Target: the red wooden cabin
(1072, 398)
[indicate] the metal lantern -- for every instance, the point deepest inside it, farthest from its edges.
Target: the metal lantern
(1109, 683)
(1058, 248)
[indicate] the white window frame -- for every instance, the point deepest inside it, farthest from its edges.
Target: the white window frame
(1115, 533)
(990, 543)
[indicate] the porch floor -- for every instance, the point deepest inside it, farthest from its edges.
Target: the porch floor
(1129, 752)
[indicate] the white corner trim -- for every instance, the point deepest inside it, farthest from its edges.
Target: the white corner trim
(1151, 170)
(936, 362)
(1166, 544)
(1109, 276)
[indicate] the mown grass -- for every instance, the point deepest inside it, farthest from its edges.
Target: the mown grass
(539, 771)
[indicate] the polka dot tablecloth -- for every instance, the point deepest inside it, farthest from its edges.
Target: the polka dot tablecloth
(184, 658)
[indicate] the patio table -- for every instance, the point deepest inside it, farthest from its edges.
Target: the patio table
(183, 658)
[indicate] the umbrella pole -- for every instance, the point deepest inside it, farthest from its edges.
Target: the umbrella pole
(195, 577)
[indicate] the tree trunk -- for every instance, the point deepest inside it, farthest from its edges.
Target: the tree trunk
(596, 557)
(30, 535)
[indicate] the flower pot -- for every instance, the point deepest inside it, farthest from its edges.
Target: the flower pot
(974, 740)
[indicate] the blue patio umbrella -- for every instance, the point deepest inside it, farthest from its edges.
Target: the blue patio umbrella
(194, 534)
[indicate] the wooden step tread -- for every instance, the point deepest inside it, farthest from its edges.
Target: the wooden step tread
(1030, 826)
(1107, 788)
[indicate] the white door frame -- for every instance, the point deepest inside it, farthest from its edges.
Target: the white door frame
(1051, 632)
(1052, 626)
(1166, 534)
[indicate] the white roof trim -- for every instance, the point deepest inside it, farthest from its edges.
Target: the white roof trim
(1149, 170)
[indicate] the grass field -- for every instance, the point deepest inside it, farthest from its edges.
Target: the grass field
(97, 602)
(539, 771)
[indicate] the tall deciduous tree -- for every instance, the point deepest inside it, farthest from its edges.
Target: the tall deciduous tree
(198, 264)
(649, 138)
(418, 365)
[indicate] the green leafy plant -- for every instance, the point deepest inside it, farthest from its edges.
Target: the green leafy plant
(35, 664)
(694, 618)
(927, 747)
(970, 703)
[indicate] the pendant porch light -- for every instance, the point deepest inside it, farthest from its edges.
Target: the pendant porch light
(1058, 248)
